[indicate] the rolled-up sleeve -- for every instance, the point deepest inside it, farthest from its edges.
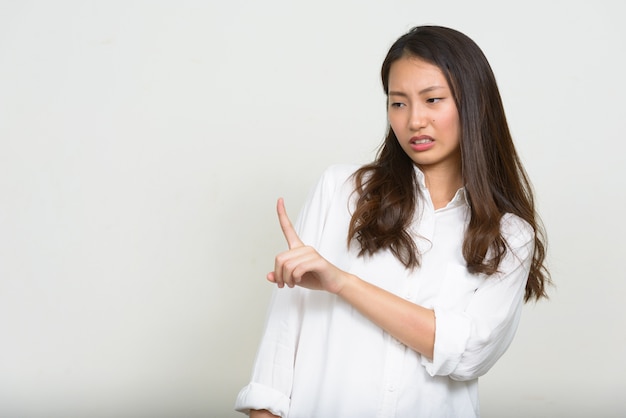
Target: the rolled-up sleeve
(470, 339)
(270, 386)
(258, 396)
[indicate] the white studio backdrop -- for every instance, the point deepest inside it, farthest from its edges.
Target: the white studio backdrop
(143, 145)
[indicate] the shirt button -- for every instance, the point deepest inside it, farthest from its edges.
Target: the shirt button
(391, 388)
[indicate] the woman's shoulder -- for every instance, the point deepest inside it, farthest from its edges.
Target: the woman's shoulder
(515, 230)
(339, 174)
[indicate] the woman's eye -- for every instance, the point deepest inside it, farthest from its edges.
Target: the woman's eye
(433, 100)
(397, 104)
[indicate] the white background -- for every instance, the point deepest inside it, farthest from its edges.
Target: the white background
(143, 146)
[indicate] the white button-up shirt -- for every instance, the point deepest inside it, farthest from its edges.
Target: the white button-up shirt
(319, 357)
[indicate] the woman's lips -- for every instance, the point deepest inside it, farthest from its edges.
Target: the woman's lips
(422, 143)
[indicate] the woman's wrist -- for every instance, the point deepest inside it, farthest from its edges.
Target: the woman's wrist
(348, 283)
(262, 413)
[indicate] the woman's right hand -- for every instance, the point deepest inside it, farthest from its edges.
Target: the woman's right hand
(263, 413)
(302, 265)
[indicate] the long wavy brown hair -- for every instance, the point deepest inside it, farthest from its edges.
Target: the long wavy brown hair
(494, 179)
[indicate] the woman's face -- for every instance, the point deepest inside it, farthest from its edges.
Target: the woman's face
(423, 115)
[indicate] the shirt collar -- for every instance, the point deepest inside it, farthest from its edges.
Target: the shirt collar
(459, 199)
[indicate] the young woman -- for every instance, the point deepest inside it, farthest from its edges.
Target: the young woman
(405, 278)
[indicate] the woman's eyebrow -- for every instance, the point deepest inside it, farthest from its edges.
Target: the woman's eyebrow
(431, 88)
(425, 90)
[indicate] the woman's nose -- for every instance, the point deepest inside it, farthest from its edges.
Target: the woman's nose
(417, 119)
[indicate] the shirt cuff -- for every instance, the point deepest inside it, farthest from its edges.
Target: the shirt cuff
(257, 396)
(452, 331)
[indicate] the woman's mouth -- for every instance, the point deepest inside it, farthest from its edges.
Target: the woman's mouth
(422, 143)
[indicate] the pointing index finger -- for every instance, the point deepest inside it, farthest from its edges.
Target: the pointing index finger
(293, 240)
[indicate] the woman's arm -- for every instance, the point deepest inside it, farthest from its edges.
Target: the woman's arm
(303, 266)
(411, 324)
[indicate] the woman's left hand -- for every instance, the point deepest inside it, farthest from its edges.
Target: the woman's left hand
(302, 265)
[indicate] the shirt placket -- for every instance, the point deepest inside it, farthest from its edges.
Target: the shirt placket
(394, 358)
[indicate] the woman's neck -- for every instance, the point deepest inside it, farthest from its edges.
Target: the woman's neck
(442, 185)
